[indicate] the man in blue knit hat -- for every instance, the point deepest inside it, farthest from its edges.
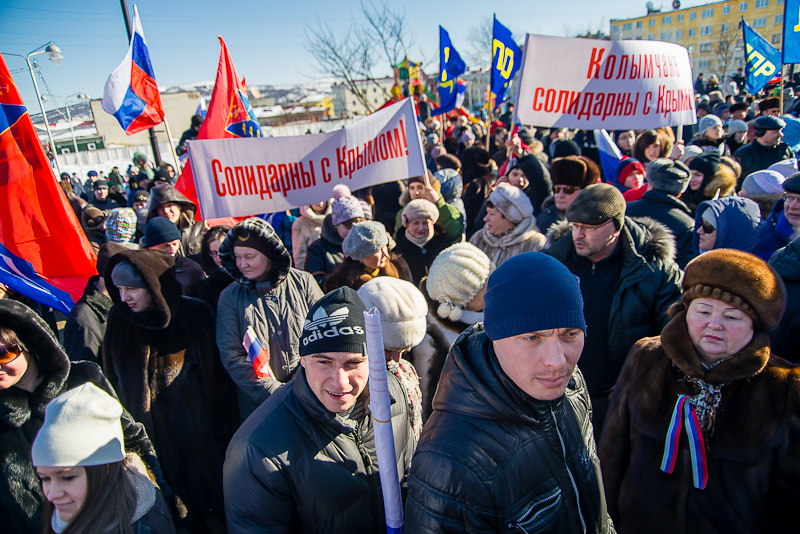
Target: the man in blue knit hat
(509, 445)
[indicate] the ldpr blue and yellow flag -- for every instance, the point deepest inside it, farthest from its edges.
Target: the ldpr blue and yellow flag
(451, 66)
(506, 61)
(763, 60)
(791, 32)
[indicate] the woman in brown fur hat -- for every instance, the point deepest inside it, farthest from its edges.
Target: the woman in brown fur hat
(703, 431)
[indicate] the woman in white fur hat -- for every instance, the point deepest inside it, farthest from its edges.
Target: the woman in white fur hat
(454, 292)
(510, 227)
(91, 485)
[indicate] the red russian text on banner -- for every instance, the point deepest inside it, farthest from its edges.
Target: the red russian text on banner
(237, 177)
(588, 83)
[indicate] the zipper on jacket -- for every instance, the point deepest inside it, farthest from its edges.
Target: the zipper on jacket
(569, 471)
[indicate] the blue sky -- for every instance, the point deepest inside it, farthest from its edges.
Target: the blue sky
(265, 38)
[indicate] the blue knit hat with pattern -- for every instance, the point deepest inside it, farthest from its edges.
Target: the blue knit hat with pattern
(531, 292)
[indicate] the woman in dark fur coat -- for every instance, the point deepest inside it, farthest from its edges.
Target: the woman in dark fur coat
(34, 371)
(703, 431)
(160, 355)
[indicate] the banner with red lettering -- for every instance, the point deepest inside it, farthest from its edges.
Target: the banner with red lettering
(242, 176)
(588, 83)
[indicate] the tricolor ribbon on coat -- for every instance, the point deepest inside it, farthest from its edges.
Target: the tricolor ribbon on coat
(257, 354)
(697, 446)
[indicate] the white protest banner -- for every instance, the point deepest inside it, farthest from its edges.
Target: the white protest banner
(588, 83)
(245, 176)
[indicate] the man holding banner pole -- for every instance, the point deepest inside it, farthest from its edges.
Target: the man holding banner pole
(306, 459)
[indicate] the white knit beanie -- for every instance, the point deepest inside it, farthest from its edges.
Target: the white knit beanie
(512, 202)
(456, 276)
(403, 311)
(81, 427)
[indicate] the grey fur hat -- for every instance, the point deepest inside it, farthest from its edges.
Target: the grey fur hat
(364, 239)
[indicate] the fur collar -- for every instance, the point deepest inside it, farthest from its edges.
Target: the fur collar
(16, 405)
(747, 363)
(525, 230)
(643, 236)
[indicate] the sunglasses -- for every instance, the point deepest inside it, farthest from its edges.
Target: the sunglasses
(566, 189)
(707, 228)
(10, 353)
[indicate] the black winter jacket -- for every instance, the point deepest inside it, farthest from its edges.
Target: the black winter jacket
(649, 283)
(756, 157)
(671, 212)
(786, 335)
(493, 459)
(86, 324)
(22, 416)
(324, 254)
(295, 467)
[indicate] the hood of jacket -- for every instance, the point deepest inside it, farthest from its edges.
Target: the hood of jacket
(477, 386)
(642, 237)
(329, 232)
(787, 261)
(738, 220)
(137, 156)
(279, 257)
(166, 193)
(307, 213)
(52, 362)
(156, 269)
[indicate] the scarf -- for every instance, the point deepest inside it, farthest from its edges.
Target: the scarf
(420, 242)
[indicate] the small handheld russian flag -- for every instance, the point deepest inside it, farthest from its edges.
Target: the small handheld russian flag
(257, 354)
(131, 92)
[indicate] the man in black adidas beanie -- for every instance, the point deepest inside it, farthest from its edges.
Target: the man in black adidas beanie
(305, 460)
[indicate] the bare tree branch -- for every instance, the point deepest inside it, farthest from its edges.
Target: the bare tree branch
(726, 51)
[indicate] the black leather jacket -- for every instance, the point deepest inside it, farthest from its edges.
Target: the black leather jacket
(493, 459)
(295, 467)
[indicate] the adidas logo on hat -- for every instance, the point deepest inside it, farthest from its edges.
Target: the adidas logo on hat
(335, 323)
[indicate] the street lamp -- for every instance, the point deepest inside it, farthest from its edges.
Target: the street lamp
(56, 58)
(80, 96)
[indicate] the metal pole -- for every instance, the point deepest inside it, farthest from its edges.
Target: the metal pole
(153, 140)
(44, 115)
(172, 147)
(71, 129)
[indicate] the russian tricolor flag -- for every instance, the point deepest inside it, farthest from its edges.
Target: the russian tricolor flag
(131, 92)
(257, 354)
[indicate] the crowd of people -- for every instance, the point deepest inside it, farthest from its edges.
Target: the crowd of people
(566, 350)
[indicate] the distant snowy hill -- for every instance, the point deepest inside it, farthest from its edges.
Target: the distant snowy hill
(283, 94)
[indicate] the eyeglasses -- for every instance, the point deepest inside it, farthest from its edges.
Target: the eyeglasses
(790, 199)
(707, 228)
(587, 228)
(566, 189)
(10, 353)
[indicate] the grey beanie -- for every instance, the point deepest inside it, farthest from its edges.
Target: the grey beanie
(511, 202)
(124, 274)
(765, 182)
(670, 176)
(364, 239)
(708, 122)
(81, 428)
(736, 126)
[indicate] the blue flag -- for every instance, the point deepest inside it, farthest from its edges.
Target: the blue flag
(506, 61)
(451, 66)
(791, 32)
(762, 60)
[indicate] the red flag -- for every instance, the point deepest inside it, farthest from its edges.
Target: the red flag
(229, 115)
(44, 253)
